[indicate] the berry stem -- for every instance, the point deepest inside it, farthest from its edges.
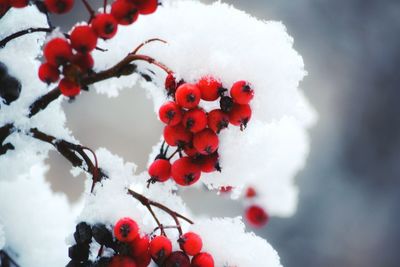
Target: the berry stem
(104, 6)
(178, 150)
(89, 9)
(6, 259)
(146, 42)
(164, 227)
(95, 170)
(15, 35)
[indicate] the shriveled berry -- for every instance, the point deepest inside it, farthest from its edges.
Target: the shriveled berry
(79, 252)
(83, 233)
(69, 88)
(124, 12)
(209, 163)
(146, 7)
(83, 39)
(170, 84)
(206, 142)
(102, 235)
(210, 88)
(140, 246)
(240, 115)
(10, 89)
(250, 192)
(122, 261)
(195, 120)
(170, 113)
(217, 120)
(84, 61)
(190, 243)
(18, 3)
(226, 104)
(185, 172)
(126, 230)
(59, 6)
(57, 51)
(160, 248)
(203, 259)
(188, 95)
(105, 25)
(177, 135)
(242, 93)
(48, 73)
(256, 216)
(177, 259)
(160, 170)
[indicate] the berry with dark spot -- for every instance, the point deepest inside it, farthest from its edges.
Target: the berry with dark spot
(203, 259)
(177, 259)
(188, 95)
(160, 170)
(160, 248)
(57, 51)
(190, 243)
(185, 172)
(48, 73)
(206, 142)
(256, 216)
(210, 88)
(177, 135)
(59, 6)
(217, 120)
(240, 115)
(242, 93)
(83, 39)
(170, 113)
(105, 26)
(124, 12)
(126, 230)
(195, 120)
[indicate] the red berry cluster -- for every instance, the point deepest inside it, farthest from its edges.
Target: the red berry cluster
(194, 131)
(72, 57)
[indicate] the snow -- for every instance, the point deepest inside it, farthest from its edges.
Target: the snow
(2, 238)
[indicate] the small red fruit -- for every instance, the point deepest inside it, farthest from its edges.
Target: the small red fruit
(190, 150)
(59, 6)
(206, 142)
(105, 26)
(57, 51)
(140, 246)
(124, 12)
(83, 39)
(160, 248)
(256, 216)
(195, 120)
(177, 135)
(122, 261)
(4, 6)
(146, 7)
(210, 88)
(126, 230)
(69, 88)
(177, 259)
(160, 170)
(143, 260)
(217, 120)
(19, 3)
(48, 73)
(84, 61)
(240, 115)
(170, 84)
(242, 93)
(170, 113)
(209, 163)
(203, 259)
(188, 95)
(185, 172)
(250, 192)
(190, 243)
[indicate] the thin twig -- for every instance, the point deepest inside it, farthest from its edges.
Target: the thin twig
(89, 9)
(104, 6)
(146, 42)
(21, 33)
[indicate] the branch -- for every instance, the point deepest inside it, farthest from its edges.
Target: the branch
(5, 131)
(21, 33)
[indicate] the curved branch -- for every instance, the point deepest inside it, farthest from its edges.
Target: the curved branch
(21, 33)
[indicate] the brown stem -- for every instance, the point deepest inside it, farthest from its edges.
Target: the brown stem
(146, 42)
(5, 131)
(21, 33)
(104, 6)
(89, 9)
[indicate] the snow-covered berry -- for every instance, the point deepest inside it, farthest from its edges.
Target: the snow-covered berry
(210, 88)
(126, 230)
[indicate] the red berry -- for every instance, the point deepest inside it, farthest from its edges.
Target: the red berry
(143, 260)
(4, 6)
(83, 39)
(57, 51)
(256, 216)
(250, 192)
(195, 120)
(84, 61)
(209, 163)
(185, 172)
(170, 83)
(225, 189)
(190, 150)
(105, 25)
(177, 135)
(210, 88)
(124, 12)
(170, 113)
(160, 170)
(48, 73)
(188, 95)
(190, 243)
(69, 88)
(217, 120)
(206, 142)
(240, 115)
(177, 259)
(59, 6)
(122, 261)
(140, 246)
(126, 230)
(18, 3)
(203, 259)
(146, 7)
(160, 248)
(242, 93)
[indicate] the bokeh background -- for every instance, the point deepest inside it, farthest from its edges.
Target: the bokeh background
(348, 210)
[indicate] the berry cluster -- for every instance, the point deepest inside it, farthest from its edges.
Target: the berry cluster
(193, 130)
(10, 87)
(130, 249)
(71, 56)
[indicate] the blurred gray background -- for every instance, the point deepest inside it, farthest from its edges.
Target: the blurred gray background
(349, 191)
